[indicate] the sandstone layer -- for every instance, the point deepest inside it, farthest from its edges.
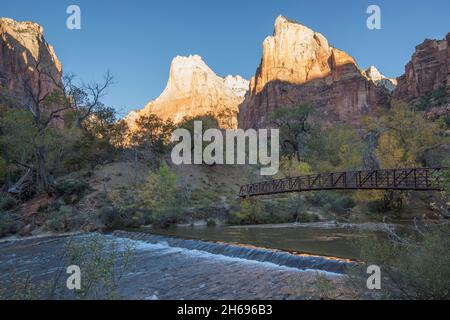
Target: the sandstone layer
(193, 89)
(299, 66)
(22, 48)
(428, 72)
(373, 74)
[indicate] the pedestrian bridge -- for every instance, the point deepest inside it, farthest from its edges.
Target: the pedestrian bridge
(419, 179)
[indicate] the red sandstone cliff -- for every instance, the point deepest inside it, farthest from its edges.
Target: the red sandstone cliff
(427, 72)
(299, 66)
(22, 45)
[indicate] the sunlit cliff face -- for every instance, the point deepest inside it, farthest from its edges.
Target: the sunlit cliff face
(193, 89)
(22, 47)
(299, 66)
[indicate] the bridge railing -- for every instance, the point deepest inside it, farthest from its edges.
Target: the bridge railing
(422, 179)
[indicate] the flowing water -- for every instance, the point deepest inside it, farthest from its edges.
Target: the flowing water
(323, 240)
(266, 262)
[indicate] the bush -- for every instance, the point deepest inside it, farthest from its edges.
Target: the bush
(163, 197)
(104, 263)
(251, 211)
(72, 190)
(376, 206)
(332, 201)
(211, 223)
(58, 220)
(166, 218)
(308, 217)
(412, 267)
(8, 224)
(7, 202)
(114, 218)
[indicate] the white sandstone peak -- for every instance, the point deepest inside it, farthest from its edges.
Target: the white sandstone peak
(372, 73)
(194, 89)
(237, 84)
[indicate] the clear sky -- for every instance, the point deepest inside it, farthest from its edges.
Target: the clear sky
(137, 39)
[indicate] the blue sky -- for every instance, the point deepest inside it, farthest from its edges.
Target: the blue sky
(137, 39)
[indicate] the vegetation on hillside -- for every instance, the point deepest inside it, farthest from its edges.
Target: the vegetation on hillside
(52, 150)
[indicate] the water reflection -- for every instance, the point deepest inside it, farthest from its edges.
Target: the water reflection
(334, 242)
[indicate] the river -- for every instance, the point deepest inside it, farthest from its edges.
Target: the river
(268, 262)
(319, 239)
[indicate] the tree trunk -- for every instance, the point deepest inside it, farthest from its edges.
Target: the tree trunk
(44, 178)
(76, 122)
(7, 177)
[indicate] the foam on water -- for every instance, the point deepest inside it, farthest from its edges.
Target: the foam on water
(260, 257)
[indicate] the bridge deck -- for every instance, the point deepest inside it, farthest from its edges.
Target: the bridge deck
(421, 179)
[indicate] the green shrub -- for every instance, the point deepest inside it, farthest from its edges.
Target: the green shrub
(251, 211)
(165, 218)
(59, 220)
(376, 206)
(72, 190)
(7, 202)
(412, 267)
(161, 195)
(211, 223)
(431, 99)
(308, 217)
(8, 224)
(103, 263)
(332, 201)
(114, 218)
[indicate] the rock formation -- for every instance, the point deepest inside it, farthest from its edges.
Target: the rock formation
(373, 74)
(194, 90)
(428, 72)
(298, 66)
(22, 46)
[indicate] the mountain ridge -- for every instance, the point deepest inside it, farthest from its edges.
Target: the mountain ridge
(299, 66)
(194, 89)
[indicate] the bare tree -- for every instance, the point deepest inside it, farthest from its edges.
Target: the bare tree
(41, 99)
(85, 98)
(48, 96)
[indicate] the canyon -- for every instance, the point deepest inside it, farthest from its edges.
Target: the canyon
(298, 66)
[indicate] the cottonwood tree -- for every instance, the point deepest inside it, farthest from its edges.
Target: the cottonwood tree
(48, 98)
(151, 136)
(296, 128)
(45, 106)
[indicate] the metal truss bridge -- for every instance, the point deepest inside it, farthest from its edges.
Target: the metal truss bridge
(420, 179)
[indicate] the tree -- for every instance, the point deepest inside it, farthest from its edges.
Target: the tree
(85, 99)
(251, 211)
(209, 121)
(48, 100)
(45, 106)
(161, 194)
(406, 138)
(17, 134)
(151, 137)
(338, 148)
(297, 127)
